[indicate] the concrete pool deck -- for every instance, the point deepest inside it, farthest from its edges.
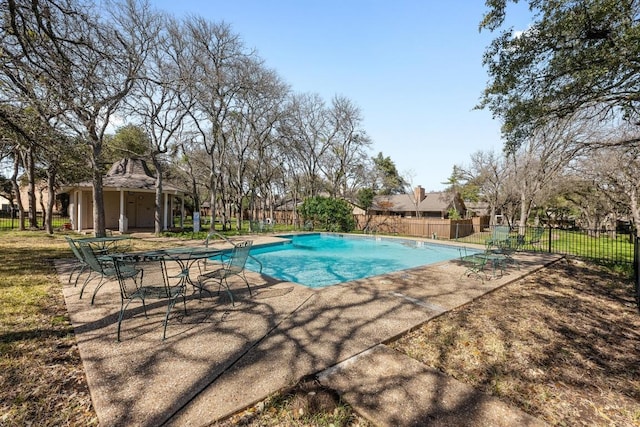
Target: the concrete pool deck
(220, 359)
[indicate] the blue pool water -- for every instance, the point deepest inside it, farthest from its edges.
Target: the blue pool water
(319, 260)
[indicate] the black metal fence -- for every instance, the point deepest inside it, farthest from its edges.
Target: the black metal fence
(597, 245)
(12, 222)
(610, 247)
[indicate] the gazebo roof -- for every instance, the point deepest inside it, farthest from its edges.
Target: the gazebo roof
(131, 174)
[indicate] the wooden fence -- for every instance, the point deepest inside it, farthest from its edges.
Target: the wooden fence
(390, 224)
(421, 227)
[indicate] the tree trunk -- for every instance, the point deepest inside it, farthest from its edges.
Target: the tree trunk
(16, 190)
(29, 166)
(158, 214)
(525, 206)
(99, 226)
(196, 201)
(99, 223)
(51, 191)
(213, 187)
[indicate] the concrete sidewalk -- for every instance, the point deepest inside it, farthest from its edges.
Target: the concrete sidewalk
(394, 390)
(222, 358)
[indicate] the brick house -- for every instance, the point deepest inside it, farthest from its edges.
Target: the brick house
(418, 204)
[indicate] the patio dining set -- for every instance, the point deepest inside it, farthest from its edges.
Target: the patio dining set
(498, 253)
(158, 274)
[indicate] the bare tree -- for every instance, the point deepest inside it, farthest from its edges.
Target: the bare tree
(305, 133)
(78, 69)
(217, 57)
(487, 172)
(348, 143)
(612, 174)
(160, 99)
(262, 104)
(538, 162)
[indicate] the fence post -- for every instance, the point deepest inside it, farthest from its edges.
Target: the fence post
(549, 240)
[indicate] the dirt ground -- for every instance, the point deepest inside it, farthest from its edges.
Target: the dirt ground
(562, 344)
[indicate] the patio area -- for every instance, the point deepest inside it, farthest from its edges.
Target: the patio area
(222, 358)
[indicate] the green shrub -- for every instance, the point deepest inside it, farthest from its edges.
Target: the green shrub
(327, 213)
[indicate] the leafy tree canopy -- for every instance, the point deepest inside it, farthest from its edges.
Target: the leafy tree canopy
(461, 182)
(579, 59)
(128, 141)
(389, 180)
(365, 198)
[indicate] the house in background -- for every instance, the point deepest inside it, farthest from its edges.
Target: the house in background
(129, 198)
(478, 208)
(418, 204)
(5, 205)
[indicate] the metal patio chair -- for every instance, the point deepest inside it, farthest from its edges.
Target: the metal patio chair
(204, 263)
(81, 264)
(101, 267)
(234, 265)
(475, 263)
(499, 236)
(216, 261)
(146, 278)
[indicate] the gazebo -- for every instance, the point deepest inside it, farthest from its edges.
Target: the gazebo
(129, 198)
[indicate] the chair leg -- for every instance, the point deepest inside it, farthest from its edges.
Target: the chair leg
(82, 269)
(172, 302)
(86, 282)
(123, 308)
(95, 291)
(71, 276)
(201, 288)
(144, 308)
(226, 284)
(120, 322)
(246, 282)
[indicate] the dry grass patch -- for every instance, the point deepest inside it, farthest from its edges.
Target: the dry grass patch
(562, 344)
(307, 404)
(42, 381)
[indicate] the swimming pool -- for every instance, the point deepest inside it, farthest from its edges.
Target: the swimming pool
(319, 260)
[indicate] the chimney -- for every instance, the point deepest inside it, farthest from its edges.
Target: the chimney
(418, 193)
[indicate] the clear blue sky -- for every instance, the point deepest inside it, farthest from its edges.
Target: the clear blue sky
(413, 67)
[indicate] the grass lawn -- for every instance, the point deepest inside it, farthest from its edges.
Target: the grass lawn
(42, 381)
(562, 344)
